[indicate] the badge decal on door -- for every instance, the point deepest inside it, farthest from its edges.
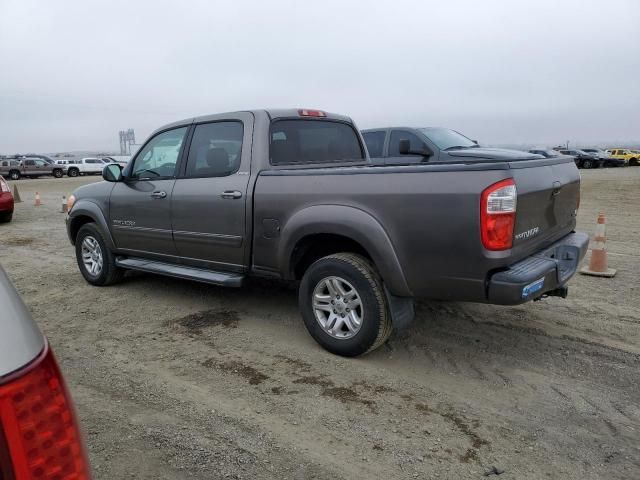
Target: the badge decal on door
(124, 223)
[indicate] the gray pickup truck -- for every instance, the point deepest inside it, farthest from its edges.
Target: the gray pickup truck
(29, 167)
(292, 194)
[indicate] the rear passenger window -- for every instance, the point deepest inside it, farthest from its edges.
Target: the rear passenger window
(313, 141)
(397, 135)
(374, 142)
(215, 150)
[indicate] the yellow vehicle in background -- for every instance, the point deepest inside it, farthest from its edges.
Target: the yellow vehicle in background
(632, 157)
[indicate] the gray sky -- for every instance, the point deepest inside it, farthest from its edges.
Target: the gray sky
(74, 72)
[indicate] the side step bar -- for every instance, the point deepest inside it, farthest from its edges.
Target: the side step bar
(181, 271)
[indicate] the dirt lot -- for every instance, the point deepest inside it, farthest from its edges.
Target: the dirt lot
(175, 379)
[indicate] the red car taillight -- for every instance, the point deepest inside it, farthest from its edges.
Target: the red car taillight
(39, 434)
(498, 215)
(4, 186)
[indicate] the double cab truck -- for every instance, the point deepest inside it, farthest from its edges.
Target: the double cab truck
(293, 195)
(14, 169)
(86, 166)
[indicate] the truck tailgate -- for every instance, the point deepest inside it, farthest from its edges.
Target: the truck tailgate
(548, 198)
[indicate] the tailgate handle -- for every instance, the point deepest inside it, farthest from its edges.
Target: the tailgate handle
(557, 186)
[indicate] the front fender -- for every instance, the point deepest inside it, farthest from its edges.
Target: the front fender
(349, 222)
(86, 208)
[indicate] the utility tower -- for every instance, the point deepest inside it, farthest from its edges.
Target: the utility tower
(127, 138)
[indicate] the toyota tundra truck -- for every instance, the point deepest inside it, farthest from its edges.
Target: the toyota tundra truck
(292, 195)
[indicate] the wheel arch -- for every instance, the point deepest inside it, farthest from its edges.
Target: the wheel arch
(84, 212)
(321, 230)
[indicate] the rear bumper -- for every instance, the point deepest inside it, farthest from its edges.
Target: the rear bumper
(544, 272)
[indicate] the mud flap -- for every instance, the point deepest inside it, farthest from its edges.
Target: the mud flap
(401, 309)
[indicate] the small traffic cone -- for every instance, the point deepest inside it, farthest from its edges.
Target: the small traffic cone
(598, 265)
(16, 195)
(38, 202)
(64, 204)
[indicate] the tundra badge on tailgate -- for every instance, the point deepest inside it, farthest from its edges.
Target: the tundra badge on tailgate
(528, 233)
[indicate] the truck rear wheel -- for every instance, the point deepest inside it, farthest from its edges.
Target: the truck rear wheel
(95, 261)
(57, 173)
(343, 304)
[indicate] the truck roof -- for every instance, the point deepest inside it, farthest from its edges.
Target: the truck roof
(272, 113)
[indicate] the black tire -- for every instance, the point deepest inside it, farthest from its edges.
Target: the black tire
(376, 321)
(57, 173)
(72, 172)
(6, 217)
(14, 175)
(587, 164)
(110, 273)
(633, 162)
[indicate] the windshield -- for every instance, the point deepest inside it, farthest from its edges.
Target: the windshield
(446, 139)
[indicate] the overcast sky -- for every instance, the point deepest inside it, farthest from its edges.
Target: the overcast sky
(74, 72)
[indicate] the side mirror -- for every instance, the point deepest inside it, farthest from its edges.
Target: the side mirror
(404, 146)
(112, 172)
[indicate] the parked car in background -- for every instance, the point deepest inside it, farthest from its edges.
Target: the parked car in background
(292, 194)
(40, 436)
(430, 144)
(545, 152)
(6, 204)
(46, 158)
(86, 166)
(29, 167)
(582, 158)
(120, 159)
(625, 154)
(605, 159)
(64, 162)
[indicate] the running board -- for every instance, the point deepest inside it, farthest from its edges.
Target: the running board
(181, 271)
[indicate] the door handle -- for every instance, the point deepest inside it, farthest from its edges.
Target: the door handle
(159, 194)
(231, 194)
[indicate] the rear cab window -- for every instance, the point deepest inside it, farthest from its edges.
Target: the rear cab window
(305, 142)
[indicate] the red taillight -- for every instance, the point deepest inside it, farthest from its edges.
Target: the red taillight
(39, 425)
(4, 186)
(498, 215)
(311, 113)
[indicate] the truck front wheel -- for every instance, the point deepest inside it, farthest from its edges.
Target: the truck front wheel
(343, 304)
(95, 261)
(72, 172)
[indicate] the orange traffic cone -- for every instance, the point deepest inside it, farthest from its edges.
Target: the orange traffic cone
(38, 202)
(598, 265)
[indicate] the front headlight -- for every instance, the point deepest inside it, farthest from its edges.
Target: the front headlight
(70, 201)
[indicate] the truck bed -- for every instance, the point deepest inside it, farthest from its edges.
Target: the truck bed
(429, 212)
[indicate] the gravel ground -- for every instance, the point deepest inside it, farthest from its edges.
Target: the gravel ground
(175, 379)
